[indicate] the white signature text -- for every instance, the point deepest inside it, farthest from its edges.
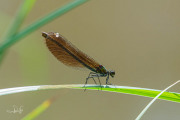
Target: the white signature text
(16, 109)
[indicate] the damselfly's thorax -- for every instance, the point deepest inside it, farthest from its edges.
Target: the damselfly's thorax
(104, 72)
(101, 69)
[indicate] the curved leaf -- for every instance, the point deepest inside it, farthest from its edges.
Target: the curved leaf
(169, 96)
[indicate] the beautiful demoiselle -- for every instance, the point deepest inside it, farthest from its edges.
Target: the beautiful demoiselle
(69, 55)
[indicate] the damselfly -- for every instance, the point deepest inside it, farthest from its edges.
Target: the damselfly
(70, 55)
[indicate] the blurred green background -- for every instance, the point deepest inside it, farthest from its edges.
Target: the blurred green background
(138, 39)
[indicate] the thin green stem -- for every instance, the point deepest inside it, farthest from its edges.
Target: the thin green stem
(148, 106)
(39, 23)
(21, 14)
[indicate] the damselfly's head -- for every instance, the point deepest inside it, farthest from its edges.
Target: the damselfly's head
(112, 73)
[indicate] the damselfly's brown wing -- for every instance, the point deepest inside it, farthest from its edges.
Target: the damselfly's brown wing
(67, 53)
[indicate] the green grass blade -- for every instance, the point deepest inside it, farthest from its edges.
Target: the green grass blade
(169, 96)
(41, 108)
(21, 14)
(16, 24)
(152, 101)
(39, 23)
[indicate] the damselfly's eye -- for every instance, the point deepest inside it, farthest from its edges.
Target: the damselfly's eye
(112, 73)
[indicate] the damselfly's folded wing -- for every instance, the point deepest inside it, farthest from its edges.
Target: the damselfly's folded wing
(67, 53)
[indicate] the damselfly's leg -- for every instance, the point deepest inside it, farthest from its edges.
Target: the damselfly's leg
(107, 82)
(90, 76)
(93, 75)
(99, 82)
(87, 80)
(85, 84)
(94, 81)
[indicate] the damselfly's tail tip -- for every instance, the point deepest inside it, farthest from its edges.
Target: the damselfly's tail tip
(44, 34)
